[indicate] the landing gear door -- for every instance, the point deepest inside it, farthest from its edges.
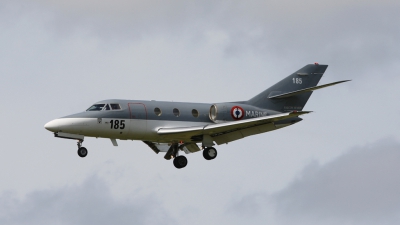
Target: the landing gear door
(138, 116)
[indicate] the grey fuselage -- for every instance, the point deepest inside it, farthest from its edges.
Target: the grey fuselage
(141, 122)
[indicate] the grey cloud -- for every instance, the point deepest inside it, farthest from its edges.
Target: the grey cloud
(346, 33)
(123, 20)
(360, 187)
(355, 37)
(89, 203)
(249, 205)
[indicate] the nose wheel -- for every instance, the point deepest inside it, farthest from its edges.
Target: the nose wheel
(82, 151)
(210, 153)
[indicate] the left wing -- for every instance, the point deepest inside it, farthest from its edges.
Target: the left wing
(237, 129)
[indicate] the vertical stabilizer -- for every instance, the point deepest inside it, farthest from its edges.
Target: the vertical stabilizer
(306, 77)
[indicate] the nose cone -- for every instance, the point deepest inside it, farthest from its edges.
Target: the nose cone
(52, 126)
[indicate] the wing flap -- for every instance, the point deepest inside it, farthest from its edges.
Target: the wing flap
(290, 94)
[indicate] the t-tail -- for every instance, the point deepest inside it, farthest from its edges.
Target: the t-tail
(293, 92)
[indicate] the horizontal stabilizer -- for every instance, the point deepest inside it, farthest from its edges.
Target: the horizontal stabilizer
(289, 94)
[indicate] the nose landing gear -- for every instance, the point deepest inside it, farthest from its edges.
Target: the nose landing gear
(82, 151)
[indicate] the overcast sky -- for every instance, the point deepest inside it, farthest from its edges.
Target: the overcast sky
(340, 165)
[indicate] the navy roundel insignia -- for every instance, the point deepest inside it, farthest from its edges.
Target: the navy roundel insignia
(237, 112)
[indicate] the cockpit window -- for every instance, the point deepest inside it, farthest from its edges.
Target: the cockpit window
(115, 106)
(99, 107)
(96, 107)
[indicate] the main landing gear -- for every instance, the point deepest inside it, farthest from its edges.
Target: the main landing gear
(180, 162)
(82, 151)
(210, 153)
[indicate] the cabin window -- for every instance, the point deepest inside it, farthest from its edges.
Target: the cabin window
(107, 107)
(115, 106)
(96, 107)
(176, 112)
(157, 111)
(195, 113)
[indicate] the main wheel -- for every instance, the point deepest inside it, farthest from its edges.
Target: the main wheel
(180, 162)
(210, 153)
(82, 152)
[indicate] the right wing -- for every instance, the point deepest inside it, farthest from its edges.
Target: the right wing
(229, 131)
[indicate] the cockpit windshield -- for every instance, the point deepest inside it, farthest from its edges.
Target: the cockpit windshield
(100, 107)
(96, 107)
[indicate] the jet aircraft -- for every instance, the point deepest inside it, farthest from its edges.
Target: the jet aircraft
(180, 127)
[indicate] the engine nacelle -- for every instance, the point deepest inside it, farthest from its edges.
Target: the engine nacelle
(221, 112)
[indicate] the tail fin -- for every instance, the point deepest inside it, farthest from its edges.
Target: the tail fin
(304, 78)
